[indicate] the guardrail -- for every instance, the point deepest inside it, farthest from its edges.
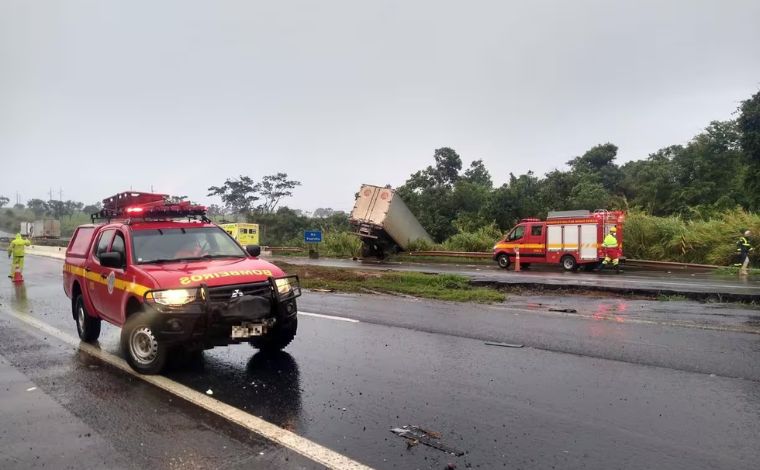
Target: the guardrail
(489, 255)
(630, 262)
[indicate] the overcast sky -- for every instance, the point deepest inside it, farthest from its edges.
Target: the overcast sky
(97, 96)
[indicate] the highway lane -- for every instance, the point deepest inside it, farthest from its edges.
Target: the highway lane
(661, 389)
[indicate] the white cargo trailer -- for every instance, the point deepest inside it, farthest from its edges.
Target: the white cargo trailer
(47, 228)
(383, 222)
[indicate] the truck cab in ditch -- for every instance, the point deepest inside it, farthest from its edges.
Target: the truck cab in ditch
(172, 280)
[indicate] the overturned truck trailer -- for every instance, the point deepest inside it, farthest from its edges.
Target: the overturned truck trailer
(383, 222)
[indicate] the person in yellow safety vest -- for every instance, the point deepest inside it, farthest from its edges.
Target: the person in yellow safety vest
(743, 248)
(16, 251)
(610, 245)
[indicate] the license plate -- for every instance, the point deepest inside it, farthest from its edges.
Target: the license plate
(246, 330)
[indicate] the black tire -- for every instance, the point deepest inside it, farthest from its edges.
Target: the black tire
(88, 326)
(277, 338)
(569, 263)
(142, 350)
(503, 261)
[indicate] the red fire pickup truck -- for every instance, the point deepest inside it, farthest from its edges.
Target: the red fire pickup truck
(172, 280)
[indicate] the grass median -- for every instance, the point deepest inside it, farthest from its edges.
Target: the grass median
(450, 287)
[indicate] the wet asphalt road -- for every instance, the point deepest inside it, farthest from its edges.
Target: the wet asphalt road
(617, 384)
(642, 280)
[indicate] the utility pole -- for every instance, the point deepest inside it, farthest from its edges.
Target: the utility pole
(51, 194)
(60, 193)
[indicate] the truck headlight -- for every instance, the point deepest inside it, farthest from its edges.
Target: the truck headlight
(172, 297)
(283, 286)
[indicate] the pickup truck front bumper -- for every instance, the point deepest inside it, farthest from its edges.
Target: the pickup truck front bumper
(209, 320)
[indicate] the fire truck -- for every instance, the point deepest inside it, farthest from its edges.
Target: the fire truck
(572, 239)
(172, 280)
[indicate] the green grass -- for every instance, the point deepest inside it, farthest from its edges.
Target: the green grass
(671, 298)
(442, 259)
(734, 271)
(449, 287)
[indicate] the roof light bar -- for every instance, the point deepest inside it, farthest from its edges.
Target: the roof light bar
(130, 205)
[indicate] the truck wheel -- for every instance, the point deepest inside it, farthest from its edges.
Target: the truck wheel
(143, 351)
(88, 326)
(277, 338)
(503, 261)
(569, 263)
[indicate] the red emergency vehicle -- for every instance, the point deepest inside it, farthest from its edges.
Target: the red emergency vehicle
(569, 238)
(173, 280)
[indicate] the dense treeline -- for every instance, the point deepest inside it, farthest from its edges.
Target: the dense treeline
(715, 172)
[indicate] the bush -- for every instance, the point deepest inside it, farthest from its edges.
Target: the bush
(482, 239)
(342, 244)
(711, 241)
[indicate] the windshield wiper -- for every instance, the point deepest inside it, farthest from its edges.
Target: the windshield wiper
(158, 260)
(190, 258)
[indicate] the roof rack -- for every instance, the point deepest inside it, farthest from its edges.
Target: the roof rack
(136, 205)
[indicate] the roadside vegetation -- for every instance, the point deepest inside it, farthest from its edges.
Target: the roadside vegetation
(429, 286)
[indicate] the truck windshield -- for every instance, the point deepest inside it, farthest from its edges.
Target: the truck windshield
(183, 244)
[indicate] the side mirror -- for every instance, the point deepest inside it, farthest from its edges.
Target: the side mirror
(112, 260)
(253, 250)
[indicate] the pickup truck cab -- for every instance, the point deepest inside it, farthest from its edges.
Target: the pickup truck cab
(175, 284)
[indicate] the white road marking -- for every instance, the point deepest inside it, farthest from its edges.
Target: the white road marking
(309, 449)
(327, 317)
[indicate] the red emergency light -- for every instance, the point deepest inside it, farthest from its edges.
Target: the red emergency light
(130, 205)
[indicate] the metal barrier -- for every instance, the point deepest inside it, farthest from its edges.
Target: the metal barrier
(489, 255)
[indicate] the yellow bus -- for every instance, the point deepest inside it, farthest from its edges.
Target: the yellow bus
(245, 234)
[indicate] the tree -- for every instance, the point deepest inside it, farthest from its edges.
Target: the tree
(92, 208)
(238, 195)
(749, 125)
(598, 164)
(215, 210)
(70, 207)
(323, 212)
(275, 187)
(478, 174)
(56, 208)
(38, 207)
(4, 200)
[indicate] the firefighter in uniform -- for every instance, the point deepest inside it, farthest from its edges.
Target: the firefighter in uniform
(743, 248)
(611, 251)
(16, 252)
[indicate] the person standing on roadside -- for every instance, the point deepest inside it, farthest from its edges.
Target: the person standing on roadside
(16, 252)
(743, 248)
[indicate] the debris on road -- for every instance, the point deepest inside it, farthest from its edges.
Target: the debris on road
(322, 290)
(503, 345)
(565, 310)
(209, 392)
(31, 389)
(415, 435)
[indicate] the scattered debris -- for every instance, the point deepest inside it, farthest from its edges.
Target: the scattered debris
(503, 345)
(415, 435)
(565, 310)
(209, 392)
(31, 389)
(322, 290)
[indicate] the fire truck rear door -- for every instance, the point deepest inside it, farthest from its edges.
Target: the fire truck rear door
(588, 242)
